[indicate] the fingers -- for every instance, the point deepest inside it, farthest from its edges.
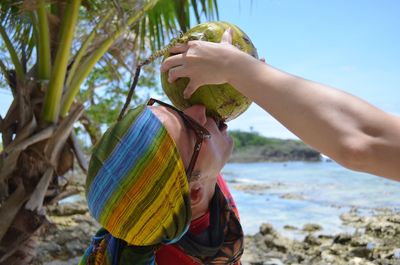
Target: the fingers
(178, 72)
(172, 61)
(179, 48)
(190, 89)
(227, 36)
(175, 73)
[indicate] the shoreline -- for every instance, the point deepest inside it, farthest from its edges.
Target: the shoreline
(375, 240)
(373, 237)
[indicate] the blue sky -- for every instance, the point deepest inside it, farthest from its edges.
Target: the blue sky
(351, 45)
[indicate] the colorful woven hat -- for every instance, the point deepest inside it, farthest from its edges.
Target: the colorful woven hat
(136, 186)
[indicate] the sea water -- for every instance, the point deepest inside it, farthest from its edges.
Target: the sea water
(298, 193)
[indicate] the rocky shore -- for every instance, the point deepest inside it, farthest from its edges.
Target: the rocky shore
(68, 236)
(376, 240)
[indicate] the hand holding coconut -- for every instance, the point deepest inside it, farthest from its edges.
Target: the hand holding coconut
(346, 128)
(196, 60)
(222, 101)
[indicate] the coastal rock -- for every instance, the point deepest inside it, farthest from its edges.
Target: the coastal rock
(375, 241)
(290, 227)
(267, 229)
(342, 239)
(75, 208)
(311, 228)
(253, 188)
(68, 236)
(351, 218)
(292, 196)
(278, 243)
(359, 261)
(273, 262)
(312, 240)
(361, 252)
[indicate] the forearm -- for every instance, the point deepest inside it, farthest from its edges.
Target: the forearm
(344, 127)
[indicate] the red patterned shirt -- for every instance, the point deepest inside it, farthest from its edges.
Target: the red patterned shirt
(171, 254)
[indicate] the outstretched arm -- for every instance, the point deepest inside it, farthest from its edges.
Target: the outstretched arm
(349, 130)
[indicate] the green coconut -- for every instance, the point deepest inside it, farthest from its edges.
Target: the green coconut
(222, 101)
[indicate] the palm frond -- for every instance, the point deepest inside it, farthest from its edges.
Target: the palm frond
(89, 64)
(44, 57)
(51, 106)
(167, 18)
(16, 21)
(12, 53)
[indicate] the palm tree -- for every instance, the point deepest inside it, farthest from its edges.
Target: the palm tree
(50, 52)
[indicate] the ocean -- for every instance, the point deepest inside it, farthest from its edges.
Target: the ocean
(299, 193)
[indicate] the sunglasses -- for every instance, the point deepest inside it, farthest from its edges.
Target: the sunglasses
(200, 132)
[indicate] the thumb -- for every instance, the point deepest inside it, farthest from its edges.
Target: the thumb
(227, 36)
(190, 89)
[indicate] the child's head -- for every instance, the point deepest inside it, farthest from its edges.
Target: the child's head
(137, 187)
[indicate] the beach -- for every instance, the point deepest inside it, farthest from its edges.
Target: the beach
(291, 213)
(375, 240)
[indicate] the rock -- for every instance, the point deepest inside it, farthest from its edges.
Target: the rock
(267, 229)
(326, 237)
(342, 239)
(328, 258)
(394, 219)
(252, 188)
(311, 228)
(292, 196)
(312, 240)
(351, 218)
(290, 227)
(279, 244)
(70, 233)
(66, 262)
(361, 252)
(69, 209)
(359, 261)
(375, 241)
(274, 262)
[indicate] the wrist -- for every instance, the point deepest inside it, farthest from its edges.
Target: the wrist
(240, 67)
(231, 60)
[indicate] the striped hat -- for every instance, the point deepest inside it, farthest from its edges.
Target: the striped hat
(136, 186)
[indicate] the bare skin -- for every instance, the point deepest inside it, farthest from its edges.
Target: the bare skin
(348, 129)
(213, 155)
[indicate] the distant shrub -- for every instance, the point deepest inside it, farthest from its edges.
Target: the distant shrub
(253, 147)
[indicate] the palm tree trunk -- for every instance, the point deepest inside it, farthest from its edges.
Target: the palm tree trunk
(18, 246)
(30, 164)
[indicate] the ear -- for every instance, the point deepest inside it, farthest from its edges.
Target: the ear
(196, 193)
